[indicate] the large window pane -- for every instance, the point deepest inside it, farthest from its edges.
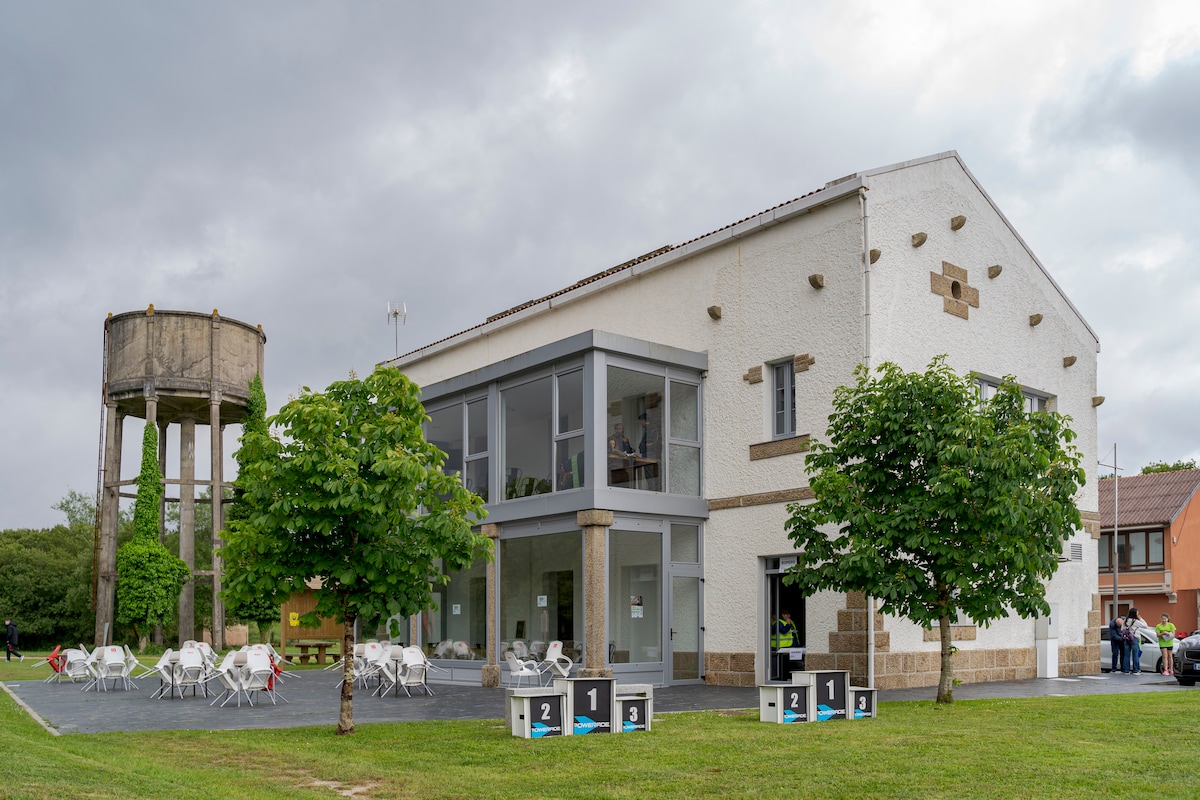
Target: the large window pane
(456, 627)
(477, 477)
(477, 434)
(1105, 551)
(685, 470)
(685, 543)
(571, 461)
(1137, 550)
(635, 424)
(685, 412)
(541, 594)
(445, 431)
(635, 596)
(1156, 548)
(528, 439)
(570, 402)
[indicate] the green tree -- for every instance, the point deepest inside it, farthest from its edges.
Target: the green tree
(149, 578)
(936, 503)
(45, 584)
(263, 607)
(350, 493)
(1162, 466)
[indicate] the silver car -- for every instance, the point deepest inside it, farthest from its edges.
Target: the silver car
(1151, 660)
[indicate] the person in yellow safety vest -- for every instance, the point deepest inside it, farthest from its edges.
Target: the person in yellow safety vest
(783, 631)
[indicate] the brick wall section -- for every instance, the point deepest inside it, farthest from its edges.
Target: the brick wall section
(729, 669)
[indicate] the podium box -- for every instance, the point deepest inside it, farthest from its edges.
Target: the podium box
(591, 703)
(831, 692)
(862, 702)
(635, 707)
(536, 715)
(785, 703)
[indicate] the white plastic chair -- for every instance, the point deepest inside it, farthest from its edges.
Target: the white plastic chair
(259, 676)
(518, 670)
(191, 670)
(164, 670)
(229, 673)
(416, 666)
(75, 665)
(556, 664)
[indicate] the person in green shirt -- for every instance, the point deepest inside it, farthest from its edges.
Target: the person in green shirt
(1165, 631)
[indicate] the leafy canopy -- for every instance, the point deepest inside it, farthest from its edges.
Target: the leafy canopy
(263, 607)
(935, 502)
(1162, 466)
(149, 578)
(350, 493)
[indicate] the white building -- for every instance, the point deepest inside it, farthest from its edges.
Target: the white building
(723, 353)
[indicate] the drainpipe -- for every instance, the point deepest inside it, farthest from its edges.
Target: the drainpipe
(866, 261)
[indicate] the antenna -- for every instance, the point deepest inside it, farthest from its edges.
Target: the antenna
(397, 315)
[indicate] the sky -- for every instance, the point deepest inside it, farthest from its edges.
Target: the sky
(300, 165)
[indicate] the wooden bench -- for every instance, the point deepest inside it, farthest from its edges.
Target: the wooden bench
(306, 651)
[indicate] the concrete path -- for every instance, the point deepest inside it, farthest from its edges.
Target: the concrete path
(314, 698)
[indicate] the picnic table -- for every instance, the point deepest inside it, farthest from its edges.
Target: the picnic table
(313, 649)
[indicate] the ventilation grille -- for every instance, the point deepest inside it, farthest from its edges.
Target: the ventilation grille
(1074, 553)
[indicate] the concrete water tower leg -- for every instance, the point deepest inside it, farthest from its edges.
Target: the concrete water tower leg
(216, 433)
(187, 525)
(110, 506)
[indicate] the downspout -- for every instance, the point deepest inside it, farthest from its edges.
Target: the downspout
(866, 261)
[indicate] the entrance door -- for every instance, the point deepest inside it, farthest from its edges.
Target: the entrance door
(686, 650)
(780, 598)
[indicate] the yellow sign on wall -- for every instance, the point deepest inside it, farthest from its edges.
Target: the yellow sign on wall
(294, 619)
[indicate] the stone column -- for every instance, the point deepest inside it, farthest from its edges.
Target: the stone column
(595, 524)
(491, 670)
(110, 506)
(187, 525)
(157, 637)
(216, 433)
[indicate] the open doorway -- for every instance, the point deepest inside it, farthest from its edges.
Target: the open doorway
(784, 655)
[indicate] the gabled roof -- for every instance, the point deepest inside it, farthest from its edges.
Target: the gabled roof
(655, 259)
(1154, 499)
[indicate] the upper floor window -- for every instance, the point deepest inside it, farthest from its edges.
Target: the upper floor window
(542, 434)
(1136, 551)
(783, 399)
(1034, 401)
(653, 431)
(460, 431)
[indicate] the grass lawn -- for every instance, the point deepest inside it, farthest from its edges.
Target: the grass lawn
(1039, 747)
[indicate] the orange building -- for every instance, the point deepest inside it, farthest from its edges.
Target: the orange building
(1157, 546)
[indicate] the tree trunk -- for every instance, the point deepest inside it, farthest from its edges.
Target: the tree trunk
(346, 713)
(945, 692)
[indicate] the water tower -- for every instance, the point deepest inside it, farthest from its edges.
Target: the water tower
(171, 368)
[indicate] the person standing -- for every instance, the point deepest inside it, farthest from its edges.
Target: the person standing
(1165, 631)
(10, 638)
(1133, 638)
(783, 631)
(1117, 644)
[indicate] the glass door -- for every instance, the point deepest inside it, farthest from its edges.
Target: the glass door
(686, 630)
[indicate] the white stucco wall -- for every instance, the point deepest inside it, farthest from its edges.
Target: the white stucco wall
(769, 311)
(910, 327)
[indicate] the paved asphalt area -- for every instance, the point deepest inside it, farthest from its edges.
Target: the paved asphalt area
(313, 699)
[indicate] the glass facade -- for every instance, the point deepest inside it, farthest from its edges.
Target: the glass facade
(595, 425)
(541, 594)
(635, 424)
(634, 597)
(527, 438)
(456, 625)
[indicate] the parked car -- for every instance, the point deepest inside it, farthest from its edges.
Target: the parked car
(1151, 654)
(1187, 660)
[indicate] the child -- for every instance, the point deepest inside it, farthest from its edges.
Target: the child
(1165, 631)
